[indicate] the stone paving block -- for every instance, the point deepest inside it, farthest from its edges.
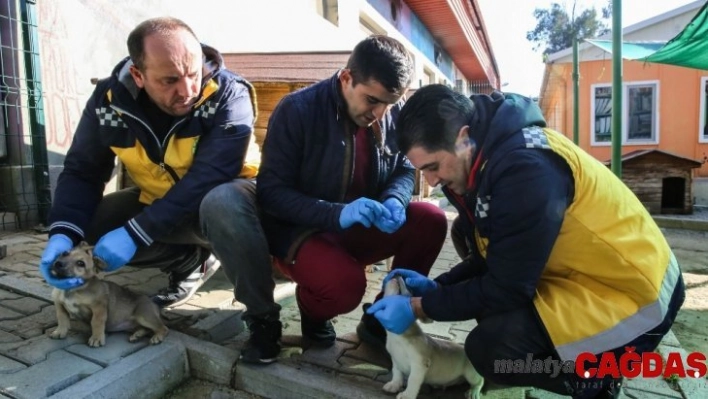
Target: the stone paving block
(36, 288)
(5, 294)
(692, 388)
(6, 337)
(8, 314)
(26, 305)
(116, 348)
(206, 361)
(9, 366)
(16, 239)
(37, 349)
(33, 325)
(353, 366)
(219, 326)
(536, 393)
(671, 340)
(59, 371)
(149, 373)
(326, 357)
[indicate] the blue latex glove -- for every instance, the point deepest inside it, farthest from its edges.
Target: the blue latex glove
(416, 283)
(362, 210)
(116, 248)
(394, 312)
(57, 244)
(398, 212)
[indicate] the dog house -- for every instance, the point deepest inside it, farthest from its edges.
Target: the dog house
(662, 181)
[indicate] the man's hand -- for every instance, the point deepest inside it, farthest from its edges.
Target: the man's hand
(57, 245)
(416, 283)
(398, 212)
(364, 211)
(116, 248)
(394, 312)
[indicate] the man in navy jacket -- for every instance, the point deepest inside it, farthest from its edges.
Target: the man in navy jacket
(335, 190)
(180, 123)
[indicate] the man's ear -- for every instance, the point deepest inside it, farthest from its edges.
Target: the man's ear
(137, 76)
(462, 142)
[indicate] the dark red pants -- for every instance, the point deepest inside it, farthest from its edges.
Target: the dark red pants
(329, 267)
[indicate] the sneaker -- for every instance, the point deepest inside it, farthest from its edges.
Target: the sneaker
(263, 344)
(370, 330)
(181, 290)
(319, 334)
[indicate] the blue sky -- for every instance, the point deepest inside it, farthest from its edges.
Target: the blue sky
(507, 22)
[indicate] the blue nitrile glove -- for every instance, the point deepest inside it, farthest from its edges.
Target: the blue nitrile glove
(57, 245)
(395, 313)
(116, 248)
(416, 283)
(362, 210)
(398, 211)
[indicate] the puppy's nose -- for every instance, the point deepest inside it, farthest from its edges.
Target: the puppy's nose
(59, 265)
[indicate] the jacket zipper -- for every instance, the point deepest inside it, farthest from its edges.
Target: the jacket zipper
(162, 145)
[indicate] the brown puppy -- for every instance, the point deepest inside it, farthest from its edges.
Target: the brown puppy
(106, 305)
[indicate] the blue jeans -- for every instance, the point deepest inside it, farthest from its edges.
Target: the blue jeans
(227, 226)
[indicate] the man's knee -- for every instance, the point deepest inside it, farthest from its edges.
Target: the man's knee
(235, 197)
(430, 216)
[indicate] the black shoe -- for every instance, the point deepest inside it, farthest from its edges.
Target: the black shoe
(182, 288)
(370, 330)
(263, 345)
(320, 334)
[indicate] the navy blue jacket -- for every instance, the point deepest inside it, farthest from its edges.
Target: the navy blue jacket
(307, 165)
(203, 149)
(514, 180)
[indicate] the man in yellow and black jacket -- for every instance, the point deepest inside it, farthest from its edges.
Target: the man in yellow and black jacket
(181, 124)
(560, 257)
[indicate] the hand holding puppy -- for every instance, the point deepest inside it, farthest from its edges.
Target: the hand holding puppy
(57, 245)
(116, 248)
(416, 283)
(394, 312)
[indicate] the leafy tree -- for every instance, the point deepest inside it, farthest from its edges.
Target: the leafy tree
(556, 28)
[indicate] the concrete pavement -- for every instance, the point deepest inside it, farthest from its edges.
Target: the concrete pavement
(204, 342)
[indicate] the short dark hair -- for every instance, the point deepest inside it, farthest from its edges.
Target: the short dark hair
(432, 119)
(161, 25)
(383, 59)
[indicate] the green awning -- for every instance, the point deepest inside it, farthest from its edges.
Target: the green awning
(687, 49)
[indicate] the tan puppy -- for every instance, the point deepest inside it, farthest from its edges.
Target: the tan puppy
(106, 305)
(424, 359)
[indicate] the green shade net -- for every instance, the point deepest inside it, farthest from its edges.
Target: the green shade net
(687, 49)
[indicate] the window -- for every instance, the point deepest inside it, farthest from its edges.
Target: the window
(329, 10)
(601, 114)
(703, 124)
(641, 113)
(640, 119)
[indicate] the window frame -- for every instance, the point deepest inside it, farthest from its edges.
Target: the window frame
(625, 113)
(702, 117)
(626, 86)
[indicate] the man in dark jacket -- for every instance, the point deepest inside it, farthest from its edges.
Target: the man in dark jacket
(180, 124)
(561, 262)
(335, 190)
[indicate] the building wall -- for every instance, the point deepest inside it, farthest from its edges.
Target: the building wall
(81, 40)
(678, 106)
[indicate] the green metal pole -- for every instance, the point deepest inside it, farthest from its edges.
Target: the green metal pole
(617, 88)
(576, 92)
(30, 39)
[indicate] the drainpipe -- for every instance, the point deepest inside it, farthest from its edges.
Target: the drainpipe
(40, 163)
(576, 90)
(617, 88)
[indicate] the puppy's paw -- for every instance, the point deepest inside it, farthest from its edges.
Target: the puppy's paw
(156, 339)
(59, 333)
(96, 341)
(393, 386)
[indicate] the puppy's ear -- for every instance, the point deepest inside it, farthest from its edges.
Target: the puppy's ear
(99, 263)
(84, 246)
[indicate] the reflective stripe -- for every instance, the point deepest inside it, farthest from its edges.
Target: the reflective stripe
(633, 326)
(69, 226)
